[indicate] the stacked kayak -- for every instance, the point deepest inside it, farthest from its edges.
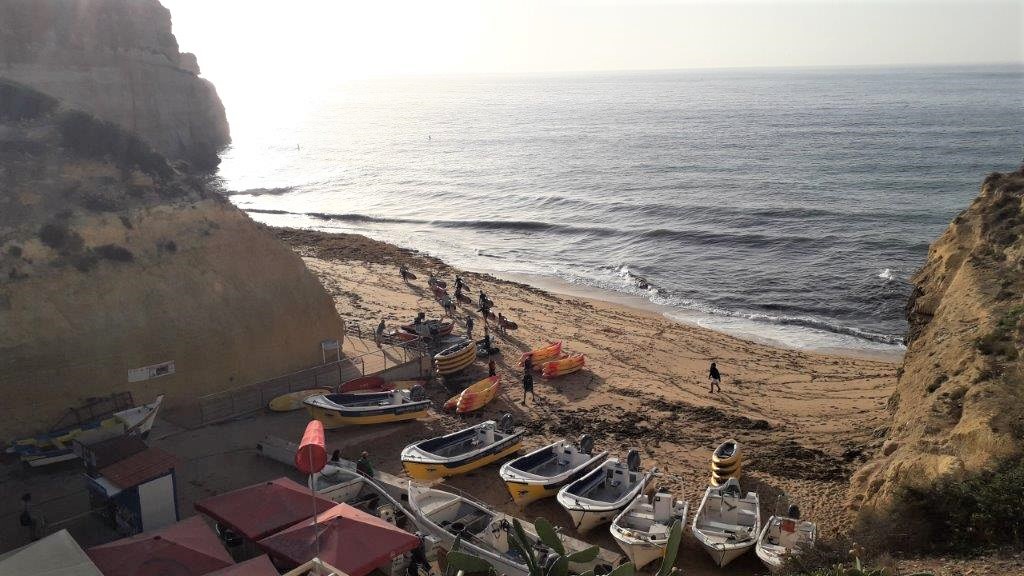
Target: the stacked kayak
(541, 355)
(475, 396)
(455, 358)
(726, 462)
(562, 366)
(462, 451)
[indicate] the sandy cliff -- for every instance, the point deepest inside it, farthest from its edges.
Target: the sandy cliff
(112, 260)
(959, 404)
(118, 60)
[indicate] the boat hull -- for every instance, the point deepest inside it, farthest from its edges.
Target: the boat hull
(639, 553)
(587, 520)
(436, 470)
(723, 556)
(338, 418)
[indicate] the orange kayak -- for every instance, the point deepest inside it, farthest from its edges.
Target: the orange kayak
(556, 368)
(541, 355)
(475, 396)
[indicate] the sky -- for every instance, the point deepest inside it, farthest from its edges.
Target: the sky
(240, 44)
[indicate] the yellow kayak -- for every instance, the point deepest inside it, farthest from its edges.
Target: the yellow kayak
(556, 368)
(476, 396)
(541, 355)
(294, 400)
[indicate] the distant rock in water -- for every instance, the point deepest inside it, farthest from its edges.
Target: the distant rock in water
(958, 409)
(117, 60)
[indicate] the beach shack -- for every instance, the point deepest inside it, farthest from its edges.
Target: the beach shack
(249, 514)
(349, 539)
(132, 485)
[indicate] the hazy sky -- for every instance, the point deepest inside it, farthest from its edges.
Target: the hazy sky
(326, 40)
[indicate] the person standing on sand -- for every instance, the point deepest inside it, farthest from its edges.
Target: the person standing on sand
(528, 363)
(715, 377)
(378, 334)
(492, 370)
(528, 386)
(404, 271)
(469, 327)
(501, 324)
(449, 307)
(458, 283)
(363, 465)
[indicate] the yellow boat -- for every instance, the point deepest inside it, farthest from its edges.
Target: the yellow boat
(543, 472)
(563, 366)
(462, 451)
(294, 400)
(336, 410)
(475, 396)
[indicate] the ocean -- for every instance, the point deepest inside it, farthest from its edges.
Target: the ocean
(786, 205)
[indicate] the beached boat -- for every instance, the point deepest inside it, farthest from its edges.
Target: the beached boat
(726, 462)
(543, 472)
(727, 523)
(783, 536)
(643, 528)
(58, 445)
(336, 410)
(429, 328)
(462, 451)
(365, 384)
(294, 400)
(542, 354)
(475, 396)
(603, 492)
(455, 358)
(483, 531)
(563, 366)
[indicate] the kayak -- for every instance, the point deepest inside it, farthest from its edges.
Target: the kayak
(475, 396)
(563, 366)
(363, 384)
(508, 324)
(455, 358)
(541, 355)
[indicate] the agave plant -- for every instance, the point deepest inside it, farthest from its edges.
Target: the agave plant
(668, 562)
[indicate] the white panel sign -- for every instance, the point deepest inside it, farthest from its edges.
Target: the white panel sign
(151, 371)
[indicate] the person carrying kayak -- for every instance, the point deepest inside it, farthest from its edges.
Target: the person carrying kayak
(404, 271)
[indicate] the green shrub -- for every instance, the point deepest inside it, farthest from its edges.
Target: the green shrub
(60, 237)
(114, 252)
(981, 512)
(18, 102)
(93, 138)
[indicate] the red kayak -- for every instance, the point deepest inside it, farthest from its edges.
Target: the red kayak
(365, 384)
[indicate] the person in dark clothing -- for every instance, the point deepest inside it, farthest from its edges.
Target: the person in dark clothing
(458, 291)
(528, 363)
(715, 377)
(469, 327)
(487, 340)
(336, 457)
(492, 370)
(363, 465)
(483, 299)
(458, 283)
(404, 271)
(528, 386)
(378, 334)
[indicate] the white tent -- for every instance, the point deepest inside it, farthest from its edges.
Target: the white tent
(56, 555)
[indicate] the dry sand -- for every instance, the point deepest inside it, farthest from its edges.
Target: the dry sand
(805, 419)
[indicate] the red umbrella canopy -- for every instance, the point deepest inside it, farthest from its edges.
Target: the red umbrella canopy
(350, 540)
(258, 566)
(260, 510)
(188, 548)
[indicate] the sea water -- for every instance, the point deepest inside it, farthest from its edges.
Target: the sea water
(785, 204)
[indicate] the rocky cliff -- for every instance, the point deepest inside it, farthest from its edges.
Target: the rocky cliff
(118, 60)
(959, 404)
(113, 260)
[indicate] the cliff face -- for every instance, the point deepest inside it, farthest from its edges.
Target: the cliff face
(118, 60)
(113, 260)
(959, 404)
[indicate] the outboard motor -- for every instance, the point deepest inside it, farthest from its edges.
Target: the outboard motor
(417, 393)
(633, 460)
(793, 512)
(586, 444)
(505, 423)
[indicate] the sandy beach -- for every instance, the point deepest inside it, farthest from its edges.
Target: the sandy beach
(805, 419)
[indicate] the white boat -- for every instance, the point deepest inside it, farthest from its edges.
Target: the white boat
(462, 451)
(484, 532)
(727, 523)
(783, 536)
(642, 529)
(603, 492)
(543, 472)
(60, 446)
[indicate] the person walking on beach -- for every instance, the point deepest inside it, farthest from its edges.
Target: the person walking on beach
(30, 519)
(528, 386)
(458, 292)
(715, 378)
(492, 369)
(448, 305)
(458, 283)
(469, 327)
(501, 324)
(363, 465)
(378, 334)
(404, 271)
